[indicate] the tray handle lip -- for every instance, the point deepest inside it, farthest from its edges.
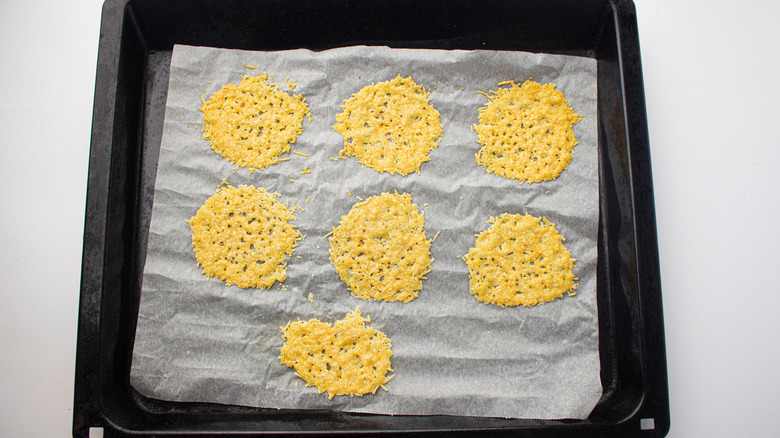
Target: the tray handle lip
(655, 400)
(87, 410)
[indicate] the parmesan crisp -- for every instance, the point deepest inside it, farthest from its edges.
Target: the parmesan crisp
(520, 260)
(347, 358)
(380, 249)
(243, 236)
(251, 124)
(389, 126)
(526, 132)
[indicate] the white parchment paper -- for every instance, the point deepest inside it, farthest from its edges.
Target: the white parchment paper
(199, 340)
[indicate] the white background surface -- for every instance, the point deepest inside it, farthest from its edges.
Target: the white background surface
(710, 71)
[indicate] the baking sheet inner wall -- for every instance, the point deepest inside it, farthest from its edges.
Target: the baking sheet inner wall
(567, 27)
(619, 341)
(155, 81)
(119, 288)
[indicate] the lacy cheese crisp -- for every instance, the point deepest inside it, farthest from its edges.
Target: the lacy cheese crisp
(347, 358)
(520, 260)
(526, 132)
(380, 249)
(251, 124)
(243, 236)
(389, 126)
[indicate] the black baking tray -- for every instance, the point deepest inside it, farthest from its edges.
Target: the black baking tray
(136, 42)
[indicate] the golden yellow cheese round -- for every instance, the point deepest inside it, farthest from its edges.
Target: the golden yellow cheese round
(520, 260)
(243, 237)
(526, 132)
(380, 249)
(389, 126)
(347, 358)
(252, 123)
